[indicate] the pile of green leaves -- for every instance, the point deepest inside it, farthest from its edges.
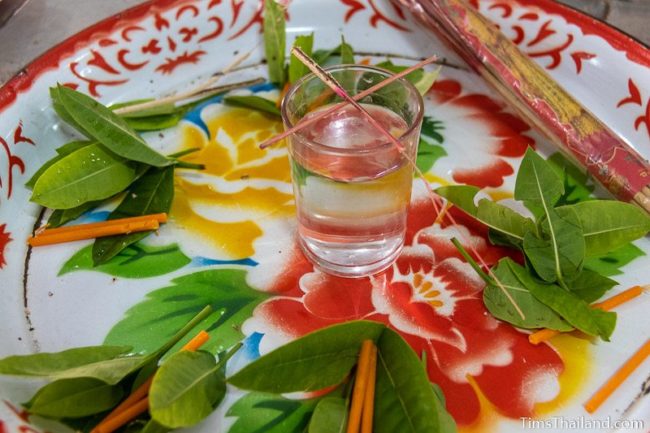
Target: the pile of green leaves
(88, 382)
(554, 288)
(112, 160)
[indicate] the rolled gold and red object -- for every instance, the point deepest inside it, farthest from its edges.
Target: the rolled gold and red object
(539, 98)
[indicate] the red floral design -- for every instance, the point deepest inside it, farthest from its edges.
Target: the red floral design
(485, 131)
(13, 160)
(536, 38)
(377, 15)
(433, 299)
(5, 238)
(634, 98)
(164, 41)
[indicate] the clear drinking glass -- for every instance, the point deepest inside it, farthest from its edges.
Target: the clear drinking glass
(351, 184)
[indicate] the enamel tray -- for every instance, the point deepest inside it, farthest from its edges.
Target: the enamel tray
(231, 242)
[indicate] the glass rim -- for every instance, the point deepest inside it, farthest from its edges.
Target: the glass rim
(380, 146)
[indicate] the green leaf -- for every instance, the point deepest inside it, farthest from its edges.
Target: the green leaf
(404, 398)
(135, 261)
(315, 361)
(164, 310)
(157, 110)
(72, 147)
(559, 255)
(62, 151)
(152, 193)
(108, 128)
(274, 41)
(421, 79)
(499, 218)
(91, 173)
(608, 224)
(504, 220)
(48, 364)
(296, 69)
(573, 309)
(612, 262)
(62, 112)
(185, 389)
(347, 78)
(110, 371)
(347, 53)
(330, 416)
(154, 123)
(153, 427)
(462, 196)
(254, 102)
(42, 169)
(515, 280)
(437, 390)
(269, 413)
(74, 398)
(591, 286)
(537, 185)
(430, 147)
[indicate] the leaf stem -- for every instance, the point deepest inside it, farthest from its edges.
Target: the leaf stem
(222, 361)
(489, 279)
(184, 152)
(189, 165)
(485, 277)
(205, 312)
(190, 93)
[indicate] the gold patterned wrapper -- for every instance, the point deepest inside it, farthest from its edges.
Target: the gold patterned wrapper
(539, 98)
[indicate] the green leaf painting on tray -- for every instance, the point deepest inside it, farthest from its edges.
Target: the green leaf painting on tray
(166, 309)
(577, 184)
(330, 416)
(135, 261)
(151, 194)
(430, 148)
(259, 412)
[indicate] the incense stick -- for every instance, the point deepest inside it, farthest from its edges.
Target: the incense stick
(190, 93)
(357, 97)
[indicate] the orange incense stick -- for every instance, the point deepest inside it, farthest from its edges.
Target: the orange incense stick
(110, 425)
(360, 385)
(96, 230)
(369, 398)
(618, 378)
